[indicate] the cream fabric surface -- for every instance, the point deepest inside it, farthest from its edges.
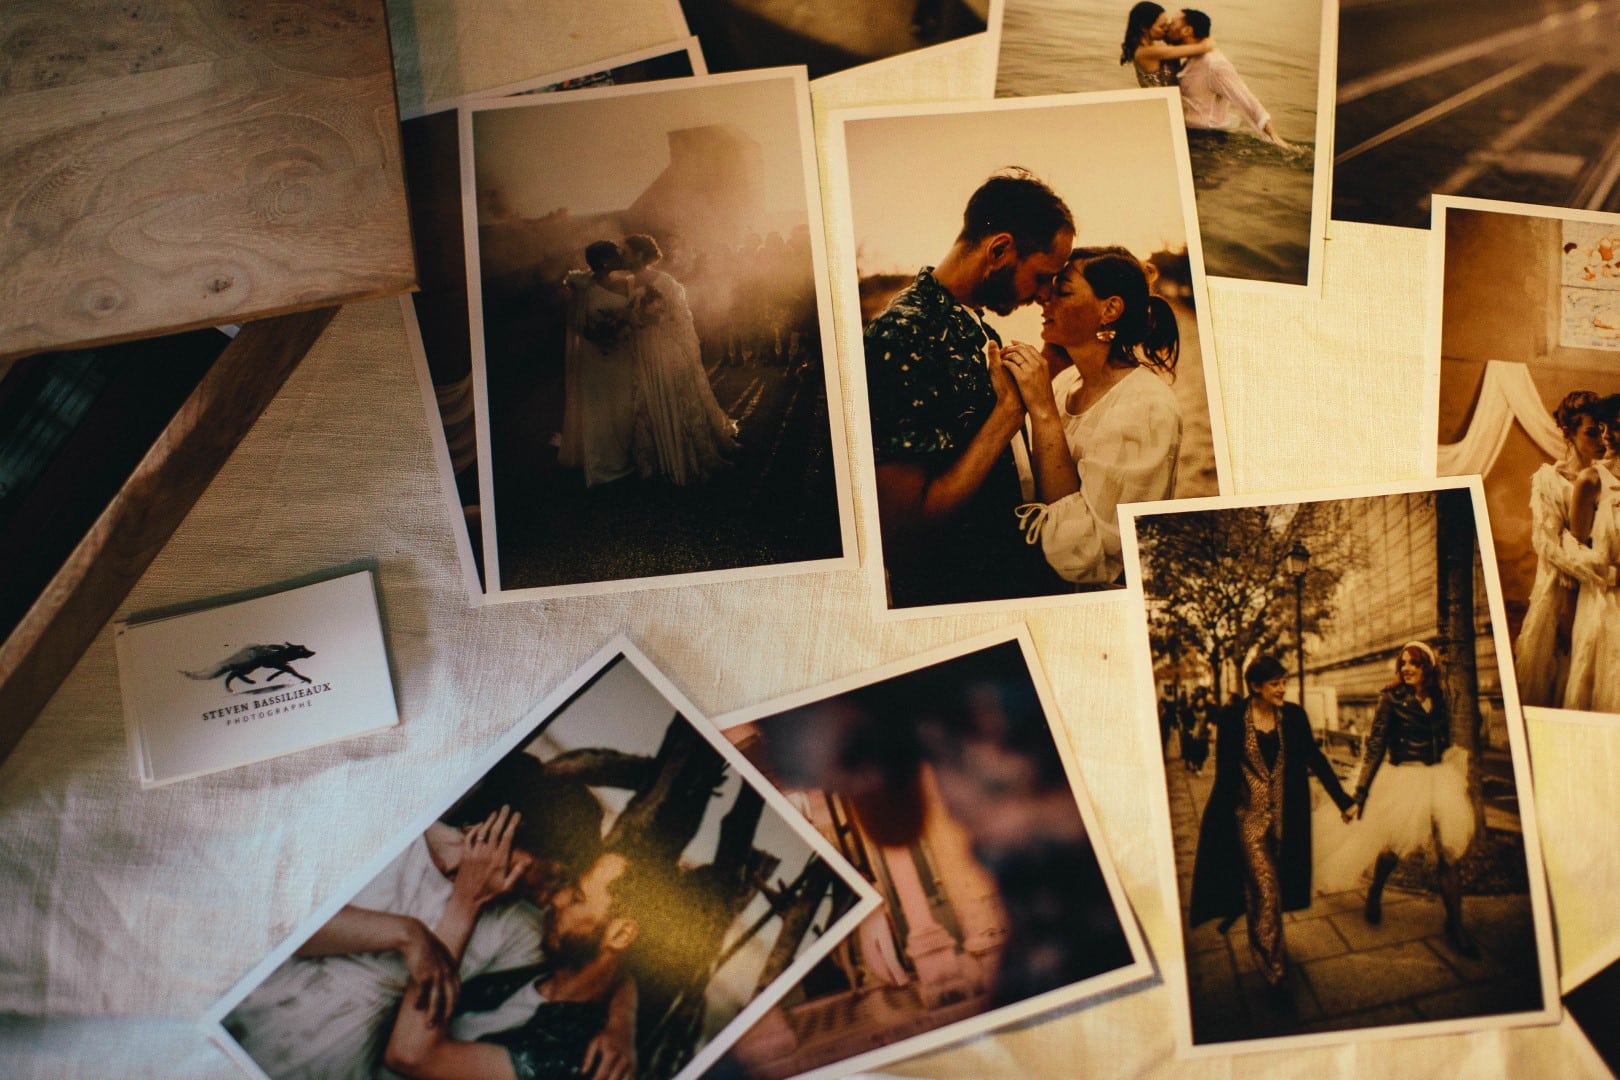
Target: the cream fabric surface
(128, 913)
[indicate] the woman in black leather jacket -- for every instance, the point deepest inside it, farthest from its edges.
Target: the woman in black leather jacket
(1413, 790)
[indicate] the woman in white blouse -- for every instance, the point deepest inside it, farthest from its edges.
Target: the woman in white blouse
(1593, 543)
(1105, 426)
(1541, 652)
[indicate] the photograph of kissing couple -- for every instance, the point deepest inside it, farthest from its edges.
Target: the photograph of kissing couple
(1047, 363)
(1255, 81)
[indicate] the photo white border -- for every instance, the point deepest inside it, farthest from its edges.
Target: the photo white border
(867, 898)
(1174, 962)
(1327, 81)
(407, 304)
(850, 557)
(1433, 365)
(1138, 971)
(842, 228)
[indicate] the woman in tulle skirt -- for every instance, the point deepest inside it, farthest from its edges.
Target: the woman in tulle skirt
(1412, 795)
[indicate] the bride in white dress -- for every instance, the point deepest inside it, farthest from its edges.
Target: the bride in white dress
(681, 432)
(1594, 666)
(600, 371)
(1106, 429)
(1541, 653)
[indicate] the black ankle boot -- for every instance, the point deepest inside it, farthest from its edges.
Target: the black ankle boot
(1374, 911)
(1457, 936)
(1461, 941)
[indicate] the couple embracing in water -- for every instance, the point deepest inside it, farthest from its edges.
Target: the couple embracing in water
(1000, 466)
(1176, 49)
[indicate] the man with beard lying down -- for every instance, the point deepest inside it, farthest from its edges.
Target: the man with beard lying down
(535, 1022)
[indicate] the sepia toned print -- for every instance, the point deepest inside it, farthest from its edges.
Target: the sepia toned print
(1529, 398)
(1511, 100)
(436, 323)
(1353, 847)
(649, 362)
(596, 896)
(1255, 80)
(1036, 350)
(941, 779)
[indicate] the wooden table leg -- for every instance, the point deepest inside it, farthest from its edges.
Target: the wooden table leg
(124, 540)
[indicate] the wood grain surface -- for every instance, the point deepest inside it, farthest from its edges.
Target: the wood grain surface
(138, 522)
(167, 164)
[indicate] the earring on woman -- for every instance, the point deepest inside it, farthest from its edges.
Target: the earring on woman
(1107, 333)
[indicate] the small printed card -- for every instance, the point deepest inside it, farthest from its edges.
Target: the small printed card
(245, 681)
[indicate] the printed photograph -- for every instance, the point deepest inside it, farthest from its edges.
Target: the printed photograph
(1517, 100)
(436, 324)
(1528, 363)
(940, 779)
(649, 337)
(1035, 344)
(828, 36)
(616, 894)
(1353, 842)
(1255, 79)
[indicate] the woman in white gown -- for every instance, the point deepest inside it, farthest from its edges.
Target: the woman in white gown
(1594, 544)
(1105, 429)
(1541, 653)
(681, 432)
(599, 373)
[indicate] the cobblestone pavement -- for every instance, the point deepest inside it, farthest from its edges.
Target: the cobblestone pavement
(1345, 973)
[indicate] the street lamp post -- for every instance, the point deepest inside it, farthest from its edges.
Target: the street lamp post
(1299, 560)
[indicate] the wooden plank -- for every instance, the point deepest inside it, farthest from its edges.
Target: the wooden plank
(172, 164)
(141, 517)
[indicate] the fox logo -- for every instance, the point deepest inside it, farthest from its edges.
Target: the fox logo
(242, 663)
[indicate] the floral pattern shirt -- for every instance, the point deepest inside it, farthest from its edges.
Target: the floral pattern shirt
(926, 378)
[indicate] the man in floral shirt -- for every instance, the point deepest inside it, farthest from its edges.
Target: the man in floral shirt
(943, 419)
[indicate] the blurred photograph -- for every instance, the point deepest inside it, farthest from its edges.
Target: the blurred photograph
(1255, 81)
(828, 36)
(941, 780)
(617, 894)
(1036, 351)
(1513, 100)
(649, 337)
(1353, 841)
(1528, 371)
(436, 324)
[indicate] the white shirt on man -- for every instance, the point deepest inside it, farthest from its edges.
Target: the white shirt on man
(1211, 88)
(328, 1017)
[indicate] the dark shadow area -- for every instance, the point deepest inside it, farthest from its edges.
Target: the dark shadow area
(73, 426)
